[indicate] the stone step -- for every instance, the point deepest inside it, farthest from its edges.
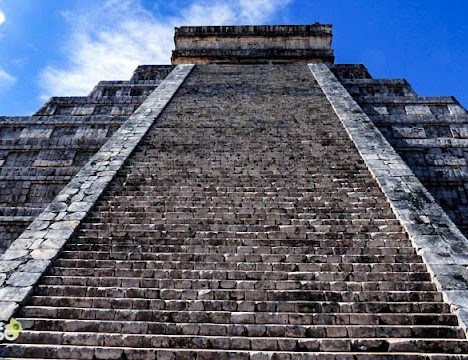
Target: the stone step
(227, 317)
(152, 267)
(33, 351)
(324, 240)
(209, 189)
(374, 240)
(152, 256)
(213, 261)
(250, 223)
(252, 219)
(264, 284)
(240, 228)
(326, 205)
(210, 213)
(246, 272)
(250, 330)
(192, 244)
(245, 343)
(142, 260)
(263, 254)
(138, 186)
(318, 294)
(84, 279)
(273, 222)
(233, 305)
(335, 271)
(232, 231)
(233, 200)
(206, 189)
(254, 295)
(344, 246)
(326, 209)
(140, 233)
(221, 177)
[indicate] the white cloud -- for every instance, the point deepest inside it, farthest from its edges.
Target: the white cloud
(257, 11)
(2, 17)
(6, 80)
(111, 41)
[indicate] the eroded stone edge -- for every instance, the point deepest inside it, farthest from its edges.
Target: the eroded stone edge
(30, 255)
(436, 238)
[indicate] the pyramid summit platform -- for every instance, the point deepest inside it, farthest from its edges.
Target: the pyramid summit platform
(253, 44)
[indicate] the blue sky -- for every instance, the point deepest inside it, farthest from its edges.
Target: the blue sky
(56, 47)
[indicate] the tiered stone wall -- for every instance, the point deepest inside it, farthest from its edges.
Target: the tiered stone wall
(429, 133)
(41, 153)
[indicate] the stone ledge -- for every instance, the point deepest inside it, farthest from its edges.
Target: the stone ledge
(407, 100)
(232, 56)
(29, 256)
(254, 30)
(434, 236)
(16, 219)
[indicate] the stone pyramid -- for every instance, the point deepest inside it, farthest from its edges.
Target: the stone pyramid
(253, 200)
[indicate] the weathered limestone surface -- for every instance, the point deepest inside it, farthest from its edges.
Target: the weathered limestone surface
(244, 44)
(429, 133)
(31, 253)
(440, 243)
(244, 226)
(40, 154)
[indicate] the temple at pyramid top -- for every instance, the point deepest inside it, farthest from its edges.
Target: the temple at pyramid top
(253, 44)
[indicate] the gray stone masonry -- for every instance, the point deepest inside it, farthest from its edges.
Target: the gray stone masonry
(244, 226)
(40, 154)
(436, 238)
(429, 133)
(253, 44)
(31, 253)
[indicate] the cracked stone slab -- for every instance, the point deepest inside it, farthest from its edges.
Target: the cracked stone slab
(14, 293)
(440, 243)
(7, 308)
(21, 279)
(28, 257)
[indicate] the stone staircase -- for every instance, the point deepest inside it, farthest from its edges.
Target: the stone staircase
(244, 226)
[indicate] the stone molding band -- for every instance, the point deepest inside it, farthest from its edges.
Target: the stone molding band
(437, 240)
(30, 255)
